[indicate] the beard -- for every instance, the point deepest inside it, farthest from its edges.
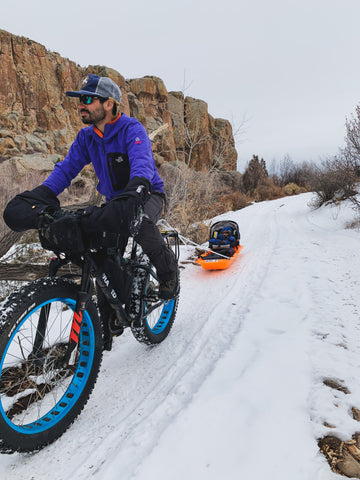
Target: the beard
(92, 118)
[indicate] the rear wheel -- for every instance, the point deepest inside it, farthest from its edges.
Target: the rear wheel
(39, 397)
(152, 317)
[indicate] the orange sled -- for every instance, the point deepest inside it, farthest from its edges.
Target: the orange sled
(212, 261)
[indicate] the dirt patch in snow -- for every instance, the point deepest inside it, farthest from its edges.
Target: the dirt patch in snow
(343, 457)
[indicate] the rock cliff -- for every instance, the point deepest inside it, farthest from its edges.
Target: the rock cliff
(38, 122)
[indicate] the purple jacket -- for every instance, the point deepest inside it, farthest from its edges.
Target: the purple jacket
(123, 152)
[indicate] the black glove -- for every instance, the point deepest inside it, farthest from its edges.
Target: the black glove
(49, 215)
(123, 215)
(141, 186)
(22, 212)
(61, 232)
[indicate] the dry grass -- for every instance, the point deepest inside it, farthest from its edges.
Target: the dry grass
(343, 457)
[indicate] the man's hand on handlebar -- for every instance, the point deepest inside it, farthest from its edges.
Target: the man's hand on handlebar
(60, 231)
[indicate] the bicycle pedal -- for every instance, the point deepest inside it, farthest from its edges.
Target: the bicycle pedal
(116, 328)
(119, 331)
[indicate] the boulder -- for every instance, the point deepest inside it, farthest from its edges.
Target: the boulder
(33, 162)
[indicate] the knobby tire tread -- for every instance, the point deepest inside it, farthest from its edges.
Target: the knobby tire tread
(11, 312)
(139, 327)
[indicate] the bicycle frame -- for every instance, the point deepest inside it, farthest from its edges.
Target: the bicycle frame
(55, 329)
(91, 272)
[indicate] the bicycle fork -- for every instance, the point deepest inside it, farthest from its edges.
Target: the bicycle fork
(82, 298)
(81, 301)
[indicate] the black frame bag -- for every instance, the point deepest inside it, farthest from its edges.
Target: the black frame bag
(118, 273)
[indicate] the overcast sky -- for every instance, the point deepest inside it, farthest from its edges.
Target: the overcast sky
(287, 71)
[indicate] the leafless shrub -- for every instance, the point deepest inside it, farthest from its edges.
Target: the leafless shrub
(237, 200)
(267, 190)
(193, 196)
(301, 174)
(336, 180)
(293, 189)
(352, 139)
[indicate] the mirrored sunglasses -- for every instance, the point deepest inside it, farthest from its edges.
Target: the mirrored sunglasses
(87, 99)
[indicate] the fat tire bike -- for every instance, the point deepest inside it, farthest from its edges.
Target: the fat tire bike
(52, 338)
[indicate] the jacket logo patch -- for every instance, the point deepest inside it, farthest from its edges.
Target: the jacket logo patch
(137, 141)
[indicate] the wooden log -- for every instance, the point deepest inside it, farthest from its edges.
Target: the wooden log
(29, 272)
(8, 240)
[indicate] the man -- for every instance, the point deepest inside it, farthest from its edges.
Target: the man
(120, 151)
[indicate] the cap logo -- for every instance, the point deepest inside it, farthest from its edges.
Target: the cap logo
(85, 81)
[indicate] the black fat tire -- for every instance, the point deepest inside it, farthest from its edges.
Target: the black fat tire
(12, 313)
(142, 331)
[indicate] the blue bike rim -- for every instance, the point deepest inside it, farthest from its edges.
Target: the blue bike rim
(164, 317)
(77, 383)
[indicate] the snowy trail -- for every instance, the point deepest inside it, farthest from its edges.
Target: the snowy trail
(267, 375)
(159, 382)
(255, 331)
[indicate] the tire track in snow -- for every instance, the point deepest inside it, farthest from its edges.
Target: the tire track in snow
(189, 370)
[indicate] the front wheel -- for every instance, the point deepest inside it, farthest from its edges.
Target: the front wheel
(152, 318)
(39, 397)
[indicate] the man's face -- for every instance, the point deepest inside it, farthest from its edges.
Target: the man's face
(93, 112)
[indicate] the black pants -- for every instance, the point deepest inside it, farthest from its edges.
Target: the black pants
(153, 245)
(152, 242)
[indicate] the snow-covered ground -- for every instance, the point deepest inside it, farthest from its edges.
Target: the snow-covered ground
(237, 390)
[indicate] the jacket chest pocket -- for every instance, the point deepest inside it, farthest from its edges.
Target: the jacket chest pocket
(119, 170)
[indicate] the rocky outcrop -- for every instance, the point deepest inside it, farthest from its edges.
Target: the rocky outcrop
(38, 122)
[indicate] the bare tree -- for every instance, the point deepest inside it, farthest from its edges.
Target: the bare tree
(336, 180)
(194, 137)
(338, 176)
(301, 174)
(352, 139)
